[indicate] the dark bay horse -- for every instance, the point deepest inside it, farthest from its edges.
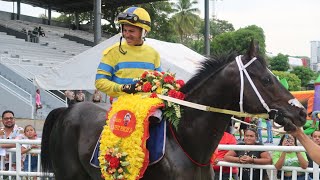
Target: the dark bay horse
(70, 134)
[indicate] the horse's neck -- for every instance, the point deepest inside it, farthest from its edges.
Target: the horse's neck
(200, 133)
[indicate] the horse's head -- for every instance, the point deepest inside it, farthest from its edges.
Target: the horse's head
(260, 91)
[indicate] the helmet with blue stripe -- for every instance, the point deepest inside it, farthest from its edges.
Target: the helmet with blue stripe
(136, 16)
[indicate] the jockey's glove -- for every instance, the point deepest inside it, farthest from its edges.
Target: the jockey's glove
(129, 88)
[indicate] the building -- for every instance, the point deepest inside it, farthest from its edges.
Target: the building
(315, 56)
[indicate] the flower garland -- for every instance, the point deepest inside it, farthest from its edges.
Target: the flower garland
(163, 83)
(134, 145)
(116, 164)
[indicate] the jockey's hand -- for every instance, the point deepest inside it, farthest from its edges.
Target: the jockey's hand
(129, 88)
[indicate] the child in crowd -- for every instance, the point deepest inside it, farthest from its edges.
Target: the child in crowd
(30, 133)
(38, 100)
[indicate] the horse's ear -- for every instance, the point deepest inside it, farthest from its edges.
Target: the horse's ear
(254, 49)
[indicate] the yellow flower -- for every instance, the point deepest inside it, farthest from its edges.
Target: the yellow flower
(131, 145)
(159, 90)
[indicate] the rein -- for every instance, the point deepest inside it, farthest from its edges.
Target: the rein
(211, 109)
(176, 139)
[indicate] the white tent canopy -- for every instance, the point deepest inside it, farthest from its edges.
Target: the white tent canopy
(79, 72)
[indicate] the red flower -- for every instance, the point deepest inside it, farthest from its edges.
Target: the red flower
(107, 157)
(153, 95)
(169, 79)
(156, 73)
(147, 87)
(114, 163)
(180, 82)
(144, 74)
(172, 93)
(176, 94)
(180, 95)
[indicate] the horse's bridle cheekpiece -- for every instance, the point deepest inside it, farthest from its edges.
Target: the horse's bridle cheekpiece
(273, 113)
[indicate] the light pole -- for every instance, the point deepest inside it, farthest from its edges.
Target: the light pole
(207, 28)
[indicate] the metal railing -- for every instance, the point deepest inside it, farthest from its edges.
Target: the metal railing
(18, 173)
(294, 170)
(24, 95)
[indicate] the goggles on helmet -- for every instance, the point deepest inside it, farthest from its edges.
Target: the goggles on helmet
(132, 18)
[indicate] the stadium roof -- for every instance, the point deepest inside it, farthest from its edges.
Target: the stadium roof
(80, 5)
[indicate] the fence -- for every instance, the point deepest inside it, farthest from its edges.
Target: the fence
(15, 158)
(271, 168)
(18, 173)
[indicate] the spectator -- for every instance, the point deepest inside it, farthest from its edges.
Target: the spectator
(312, 148)
(38, 100)
(243, 127)
(259, 128)
(30, 133)
(219, 155)
(97, 96)
(250, 157)
(70, 97)
(269, 132)
(296, 159)
(315, 136)
(315, 117)
(41, 32)
(9, 131)
(80, 97)
(35, 31)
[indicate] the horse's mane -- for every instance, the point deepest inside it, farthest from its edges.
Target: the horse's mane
(211, 66)
(207, 68)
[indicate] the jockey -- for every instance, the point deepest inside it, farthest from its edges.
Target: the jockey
(124, 61)
(129, 59)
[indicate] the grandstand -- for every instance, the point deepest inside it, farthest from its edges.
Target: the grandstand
(22, 60)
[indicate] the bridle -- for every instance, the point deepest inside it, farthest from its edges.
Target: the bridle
(273, 113)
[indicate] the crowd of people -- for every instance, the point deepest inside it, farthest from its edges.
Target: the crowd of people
(78, 96)
(11, 130)
(277, 158)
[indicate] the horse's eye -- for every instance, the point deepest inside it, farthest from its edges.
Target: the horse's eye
(266, 81)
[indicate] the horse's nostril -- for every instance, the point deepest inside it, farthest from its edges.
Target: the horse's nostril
(303, 113)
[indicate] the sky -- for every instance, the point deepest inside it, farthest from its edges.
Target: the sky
(289, 25)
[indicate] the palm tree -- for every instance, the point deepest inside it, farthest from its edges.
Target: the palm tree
(185, 20)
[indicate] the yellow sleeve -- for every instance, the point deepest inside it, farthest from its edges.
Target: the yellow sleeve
(157, 63)
(105, 72)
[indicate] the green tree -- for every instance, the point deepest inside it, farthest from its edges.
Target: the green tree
(64, 17)
(217, 27)
(70, 18)
(43, 16)
(111, 16)
(198, 46)
(161, 27)
(279, 62)
(293, 81)
(305, 74)
(185, 21)
(239, 40)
